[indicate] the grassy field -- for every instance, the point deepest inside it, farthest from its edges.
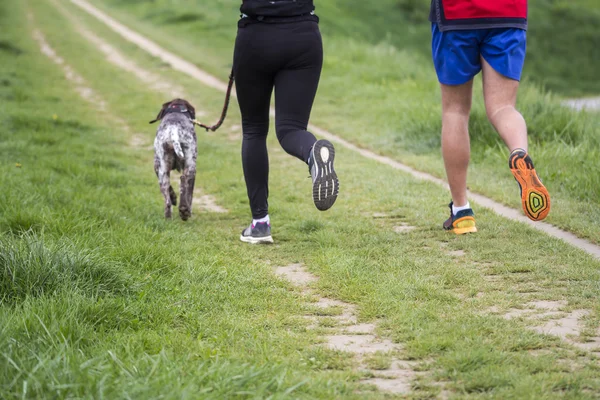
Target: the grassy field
(379, 90)
(100, 297)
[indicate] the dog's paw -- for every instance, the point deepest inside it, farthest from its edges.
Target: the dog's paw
(185, 214)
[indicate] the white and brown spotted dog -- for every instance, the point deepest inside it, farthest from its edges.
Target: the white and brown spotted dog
(175, 147)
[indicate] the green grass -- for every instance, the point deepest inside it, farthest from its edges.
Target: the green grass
(101, 297)
(380, 91)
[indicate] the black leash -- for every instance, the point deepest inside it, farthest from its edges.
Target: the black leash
(225, 108)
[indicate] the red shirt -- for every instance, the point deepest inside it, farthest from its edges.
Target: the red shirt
(478, 14)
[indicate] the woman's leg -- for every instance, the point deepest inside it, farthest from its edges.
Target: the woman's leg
(295, 89)
(254, 85)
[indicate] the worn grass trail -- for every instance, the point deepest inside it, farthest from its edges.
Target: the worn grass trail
(103, 298)
(379, 91)
(182, 66)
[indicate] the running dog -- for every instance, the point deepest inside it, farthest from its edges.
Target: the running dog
(175, 147)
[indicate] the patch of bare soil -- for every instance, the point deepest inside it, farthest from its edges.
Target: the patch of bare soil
(360, 343)
(380, 215)
(350, 336)
(296, 274)
(139, 141)
(548, 318)
(206, 202)
(492, 278)
(396, 379)
(200, 202)
(403, 228)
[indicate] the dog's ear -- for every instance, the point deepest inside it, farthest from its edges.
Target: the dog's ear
(191, 109)
(161, 113)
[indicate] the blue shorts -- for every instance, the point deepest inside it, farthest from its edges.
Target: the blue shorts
(456, 54)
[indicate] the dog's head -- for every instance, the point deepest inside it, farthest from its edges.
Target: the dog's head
(180, 104)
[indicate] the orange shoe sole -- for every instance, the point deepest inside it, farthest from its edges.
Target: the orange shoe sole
(535, 198)
(464, 225)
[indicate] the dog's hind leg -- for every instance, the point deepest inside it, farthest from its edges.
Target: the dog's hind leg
(173, 195)
(188, 179)
(164, 182)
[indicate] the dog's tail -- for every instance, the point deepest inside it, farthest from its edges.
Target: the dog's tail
(175, 140)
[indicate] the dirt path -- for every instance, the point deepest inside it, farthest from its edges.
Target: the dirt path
(347, 335)
(179, 64)
(550, 318)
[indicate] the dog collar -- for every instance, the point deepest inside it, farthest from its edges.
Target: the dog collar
(174, 108)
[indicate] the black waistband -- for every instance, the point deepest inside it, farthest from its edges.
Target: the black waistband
(247, 20)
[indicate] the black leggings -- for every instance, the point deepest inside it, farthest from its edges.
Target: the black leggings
(289, 57)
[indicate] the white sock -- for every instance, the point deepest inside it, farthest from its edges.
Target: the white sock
(455, 209)
(262, 220)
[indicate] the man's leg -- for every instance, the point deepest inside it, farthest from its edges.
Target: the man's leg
(500, 94)
(456, 148)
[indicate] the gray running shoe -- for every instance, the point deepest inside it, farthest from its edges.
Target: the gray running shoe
(259, 233)
(325, 181)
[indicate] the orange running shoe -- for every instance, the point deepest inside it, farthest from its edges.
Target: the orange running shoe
(534, 195)
(461, 223)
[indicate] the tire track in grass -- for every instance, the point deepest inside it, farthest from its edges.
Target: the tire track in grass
(112, 55)
(202, 201)
(152, 48)
(81, 86)
(179, 64)
(349, 336)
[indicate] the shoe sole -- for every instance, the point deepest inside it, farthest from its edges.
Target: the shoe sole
(464, 225)
(326, 186)
(253, 240)
(535, 198)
